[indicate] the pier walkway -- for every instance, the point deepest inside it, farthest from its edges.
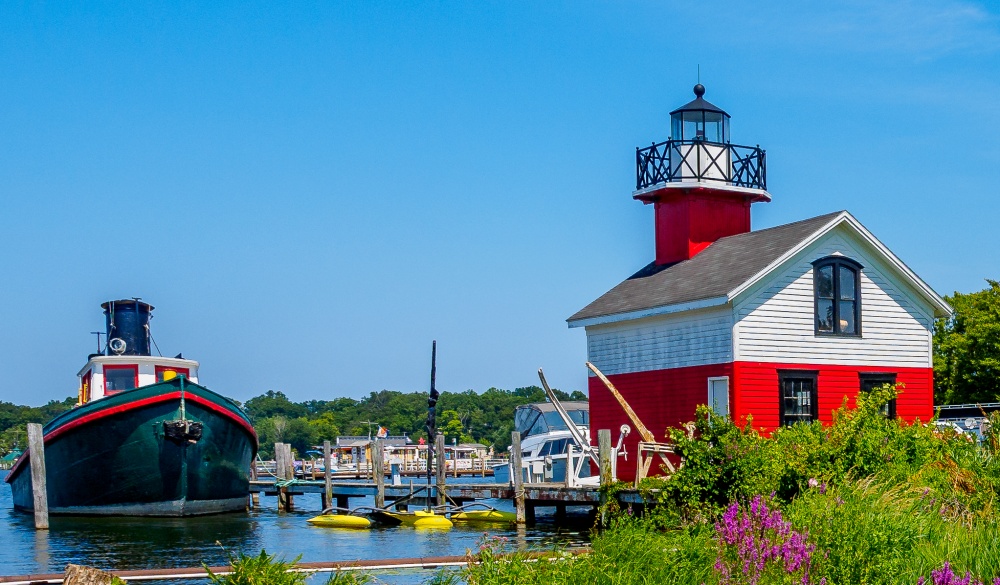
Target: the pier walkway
(536, 495)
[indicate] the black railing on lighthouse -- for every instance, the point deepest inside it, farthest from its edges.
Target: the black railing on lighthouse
(700, 160)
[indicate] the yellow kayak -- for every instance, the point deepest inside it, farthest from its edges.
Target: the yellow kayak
(340, 521)
(495, 516)
(420, 519)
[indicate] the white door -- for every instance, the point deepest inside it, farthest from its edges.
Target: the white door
(718, 395)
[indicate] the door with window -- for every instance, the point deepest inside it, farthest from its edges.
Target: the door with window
(718, 395)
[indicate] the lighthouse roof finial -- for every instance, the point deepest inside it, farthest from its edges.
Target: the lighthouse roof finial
(699, 104)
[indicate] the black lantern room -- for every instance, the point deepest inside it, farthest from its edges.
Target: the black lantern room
(700, 120)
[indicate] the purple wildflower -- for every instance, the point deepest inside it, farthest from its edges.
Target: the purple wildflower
(757, 541)
(946, 576)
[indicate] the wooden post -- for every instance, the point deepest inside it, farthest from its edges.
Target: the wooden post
(279, 474)
(378, 469)
(439, 453)
(39, 491)
(604, 456)
(515, 474)
(290, 461)
(327, 475)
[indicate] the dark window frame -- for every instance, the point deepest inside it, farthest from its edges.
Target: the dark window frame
(811, 375)
(878, 379)
(837, 262)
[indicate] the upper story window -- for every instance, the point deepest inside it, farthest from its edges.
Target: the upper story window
(838, 296)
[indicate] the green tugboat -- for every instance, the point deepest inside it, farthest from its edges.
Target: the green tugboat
(145, 438)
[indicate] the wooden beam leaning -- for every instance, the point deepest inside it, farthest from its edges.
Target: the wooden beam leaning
(643, 431)
(516, 476)
(39, 490)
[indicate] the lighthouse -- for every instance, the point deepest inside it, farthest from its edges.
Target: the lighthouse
(777, 326)
(700, 184)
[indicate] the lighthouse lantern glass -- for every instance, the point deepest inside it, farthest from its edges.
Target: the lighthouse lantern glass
(700, 125)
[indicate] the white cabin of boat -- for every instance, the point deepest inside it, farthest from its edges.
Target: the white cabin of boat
(125, 361)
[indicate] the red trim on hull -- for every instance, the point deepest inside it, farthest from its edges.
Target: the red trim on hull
(125, 407)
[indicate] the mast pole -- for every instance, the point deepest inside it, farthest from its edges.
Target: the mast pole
(432, 399)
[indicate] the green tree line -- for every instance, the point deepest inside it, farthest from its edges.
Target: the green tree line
(464, 417)
(14, 421)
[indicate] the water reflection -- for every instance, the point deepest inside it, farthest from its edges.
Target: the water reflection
(146, 543)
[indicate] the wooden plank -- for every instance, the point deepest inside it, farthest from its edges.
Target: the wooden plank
(315, 566)
(39, 490)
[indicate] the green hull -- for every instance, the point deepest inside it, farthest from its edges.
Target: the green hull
(116, 455)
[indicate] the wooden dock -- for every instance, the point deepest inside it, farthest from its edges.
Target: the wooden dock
(536, 495)
(526, 497)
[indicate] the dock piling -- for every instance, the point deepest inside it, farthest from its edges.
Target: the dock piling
(378, 469)
(604, 456)
(327, 475)
(515, 474)
(285, 470)
(440, 477)
(39, 491)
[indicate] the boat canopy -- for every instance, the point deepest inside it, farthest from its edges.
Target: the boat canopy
(541, 417)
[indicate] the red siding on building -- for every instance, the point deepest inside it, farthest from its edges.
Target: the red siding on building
(668, 398)
(756, 387)
(661, 398)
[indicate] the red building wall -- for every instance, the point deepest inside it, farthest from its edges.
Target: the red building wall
(756, 390)
(668, 398)
(661, 398)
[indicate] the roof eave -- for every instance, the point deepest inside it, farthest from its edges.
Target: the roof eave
(649, 312)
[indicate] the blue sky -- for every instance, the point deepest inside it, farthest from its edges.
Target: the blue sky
(310, 194)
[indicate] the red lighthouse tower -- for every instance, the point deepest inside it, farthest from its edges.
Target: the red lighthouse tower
(700, 184)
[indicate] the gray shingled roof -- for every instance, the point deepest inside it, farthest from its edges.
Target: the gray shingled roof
(715, 271)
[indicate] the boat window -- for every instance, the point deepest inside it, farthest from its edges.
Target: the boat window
(558, 447)
(545, 449)
(555, 421)
(118, 378)
(85, 389)
(162, 370)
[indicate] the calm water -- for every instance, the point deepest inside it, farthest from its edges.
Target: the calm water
(133, 543)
